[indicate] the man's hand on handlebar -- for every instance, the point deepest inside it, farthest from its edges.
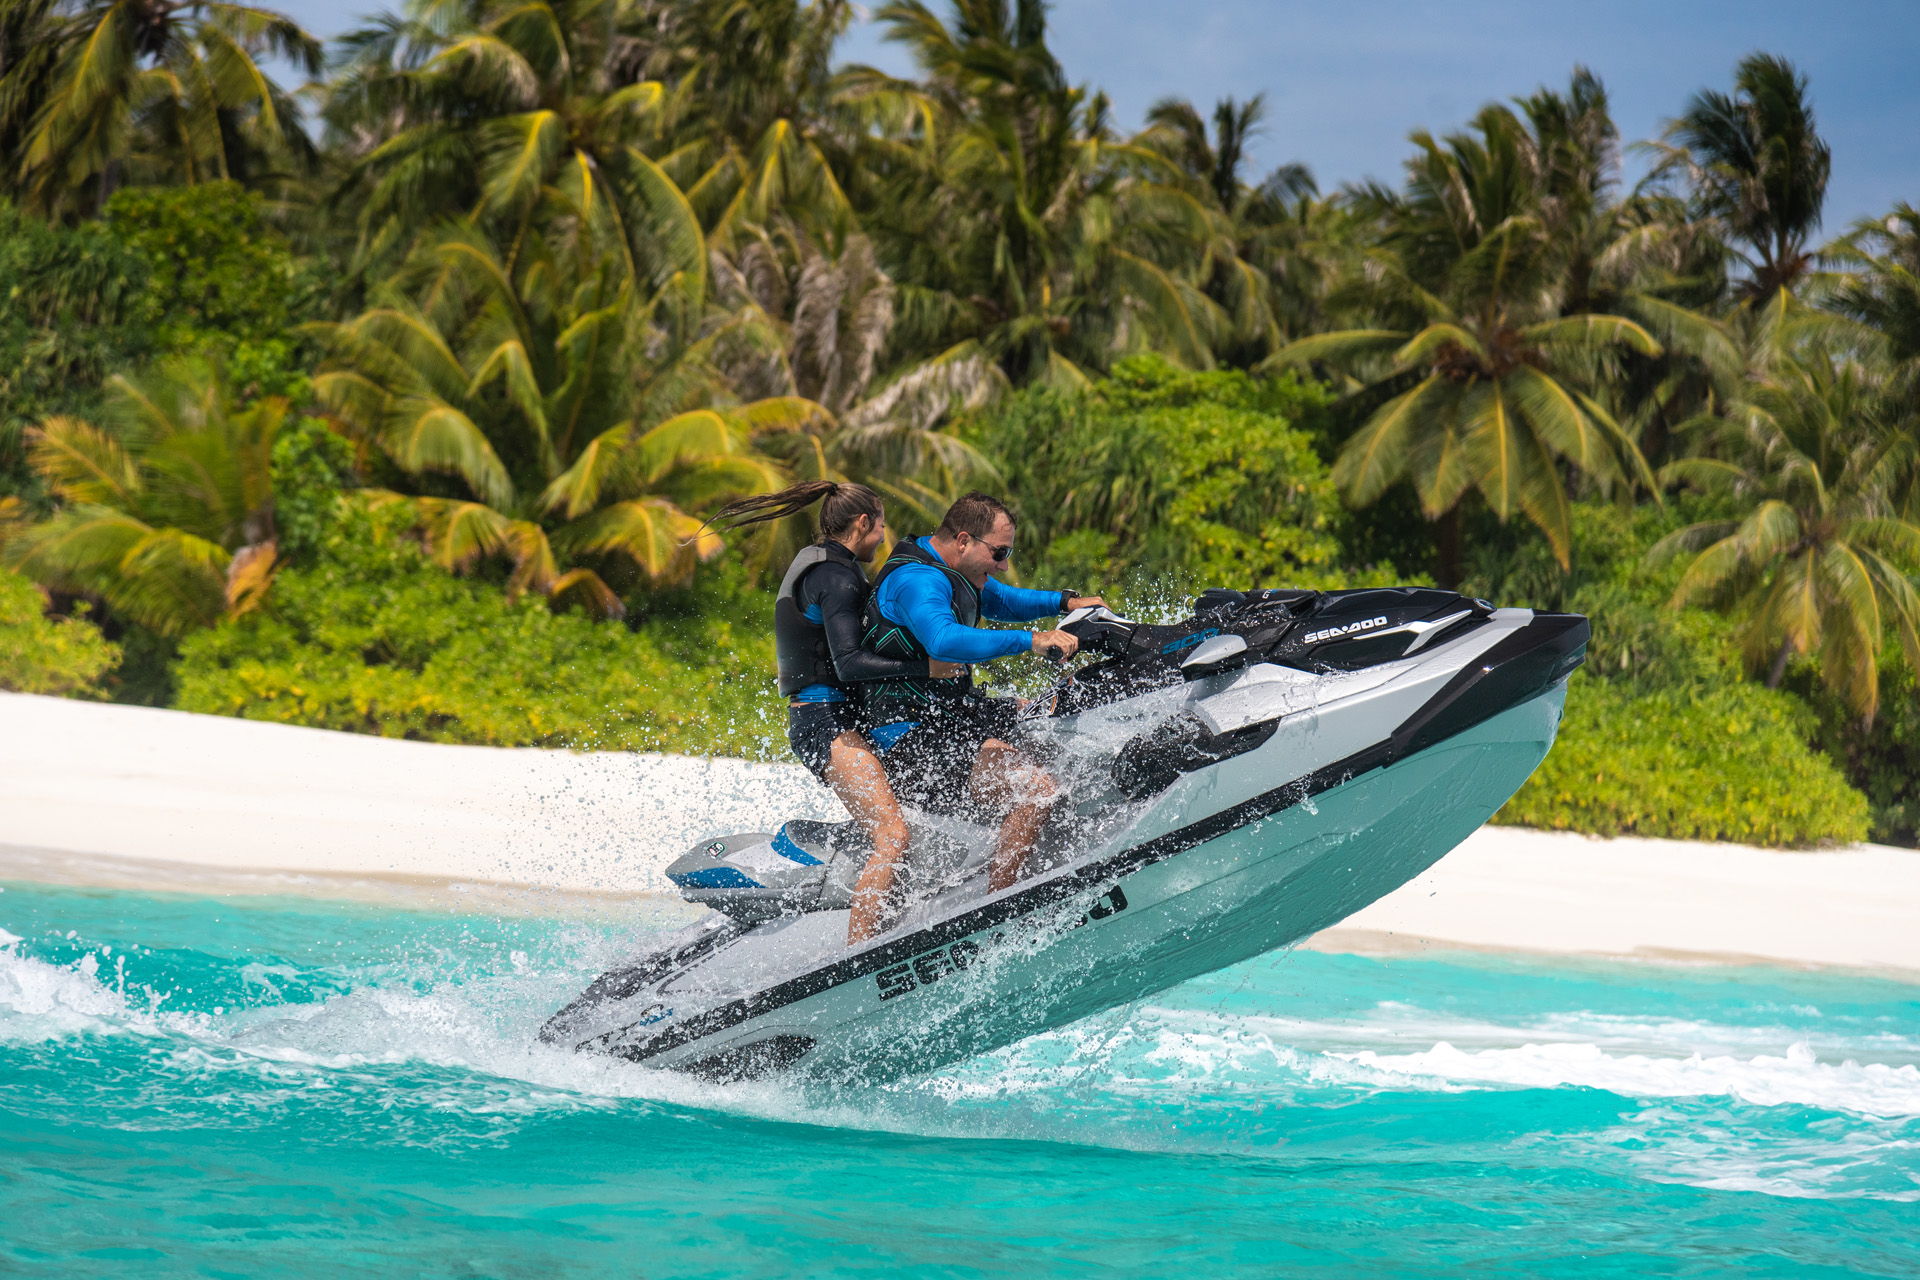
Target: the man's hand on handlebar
(1084, 602)
(1043, 641)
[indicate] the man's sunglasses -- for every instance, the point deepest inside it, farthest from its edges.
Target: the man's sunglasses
(1000, 554)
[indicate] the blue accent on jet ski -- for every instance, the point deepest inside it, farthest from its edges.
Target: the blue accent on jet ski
(1184, 641)
(784, 846)
(714, 878)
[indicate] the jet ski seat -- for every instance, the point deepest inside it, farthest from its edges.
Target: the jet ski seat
(812, 866)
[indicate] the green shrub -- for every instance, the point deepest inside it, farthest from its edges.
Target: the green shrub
(1664, 734)
(39, 654)
(1882, 759)
(70, 314)
(187, 270)
(1727, 762)
(374, 638)
(221, 281)
(310, 466)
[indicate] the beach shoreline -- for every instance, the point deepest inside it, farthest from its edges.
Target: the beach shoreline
(138, 798)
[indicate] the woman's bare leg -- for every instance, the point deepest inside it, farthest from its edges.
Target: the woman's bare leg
(1006, 779)
(860, 780)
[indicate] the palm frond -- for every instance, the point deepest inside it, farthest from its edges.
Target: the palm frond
(1377, 454)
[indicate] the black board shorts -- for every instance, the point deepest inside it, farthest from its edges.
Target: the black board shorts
(812, 727)
(931, 764)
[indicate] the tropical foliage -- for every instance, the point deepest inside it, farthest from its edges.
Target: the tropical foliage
(403, 412)
(1758, 169)
(1161, 481)
(107, 92)
(457, 661)
(1820, 559)
(1723, 764)
(1479, 361)
(41, 654)
(167, 518)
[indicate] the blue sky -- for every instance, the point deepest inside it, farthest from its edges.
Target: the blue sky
(1345, 82)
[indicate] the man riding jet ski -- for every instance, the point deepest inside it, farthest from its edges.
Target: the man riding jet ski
(1229, 784)
(946, 746)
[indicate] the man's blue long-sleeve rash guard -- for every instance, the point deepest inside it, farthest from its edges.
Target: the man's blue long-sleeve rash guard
(921, 597)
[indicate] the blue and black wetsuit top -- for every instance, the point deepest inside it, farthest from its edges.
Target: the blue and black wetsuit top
(920, 607)
(817, 619)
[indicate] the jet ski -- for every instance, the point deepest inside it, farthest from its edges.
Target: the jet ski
(1231, 784)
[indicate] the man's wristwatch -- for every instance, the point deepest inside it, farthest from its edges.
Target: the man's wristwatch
(1066, 599)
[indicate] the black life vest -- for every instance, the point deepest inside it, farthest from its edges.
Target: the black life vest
(800, 646)
(892, 639)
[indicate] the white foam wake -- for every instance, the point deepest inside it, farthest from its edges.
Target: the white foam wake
(479, 1032)
(1796, 1078)
(39, 1000)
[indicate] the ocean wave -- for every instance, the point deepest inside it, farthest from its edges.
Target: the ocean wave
(448, 1063)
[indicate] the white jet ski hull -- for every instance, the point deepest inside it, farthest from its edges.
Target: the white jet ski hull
(955, 990)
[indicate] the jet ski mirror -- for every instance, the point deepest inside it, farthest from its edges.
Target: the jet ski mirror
(1212, 655)
(1098, 629)
(1093, 613)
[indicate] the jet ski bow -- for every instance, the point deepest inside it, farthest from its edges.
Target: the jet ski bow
(1232, 783)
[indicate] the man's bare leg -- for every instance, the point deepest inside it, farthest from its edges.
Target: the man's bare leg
(1007, 779)
(860, 780)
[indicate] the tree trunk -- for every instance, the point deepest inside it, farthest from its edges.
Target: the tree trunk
(1447, 543)
(1779, 669)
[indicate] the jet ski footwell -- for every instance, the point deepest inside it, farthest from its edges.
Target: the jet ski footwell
(1230, 887)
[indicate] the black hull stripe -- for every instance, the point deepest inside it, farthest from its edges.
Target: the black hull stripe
(1442, 713)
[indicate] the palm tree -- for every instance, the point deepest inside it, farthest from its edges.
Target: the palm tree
(169, 518)
(1821, 562)
(833, 316)
(1882, 295)
(1884, 292)
(1476, 370)
(484, 110)
(1756, 165)
(1007, 213)
(28, 57)
(1265, 267)
(1642, 257)
(755, 131)
(149, 90)
(541, 379)
(1245, 219)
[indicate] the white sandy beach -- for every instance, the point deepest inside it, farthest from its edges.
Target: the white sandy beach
(91, 793)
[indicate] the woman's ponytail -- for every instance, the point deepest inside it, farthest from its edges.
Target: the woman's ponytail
(842, 507)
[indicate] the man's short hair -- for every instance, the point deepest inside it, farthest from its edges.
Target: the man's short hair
(973, 513)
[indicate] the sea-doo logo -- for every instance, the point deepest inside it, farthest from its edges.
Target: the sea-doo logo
(925, 970)
(1332, 633)
(717, 848)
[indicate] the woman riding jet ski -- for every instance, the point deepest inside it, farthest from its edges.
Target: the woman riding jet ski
(818, 619)
(1229, 784)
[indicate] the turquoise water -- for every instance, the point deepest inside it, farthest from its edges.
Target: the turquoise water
(196, 1086)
